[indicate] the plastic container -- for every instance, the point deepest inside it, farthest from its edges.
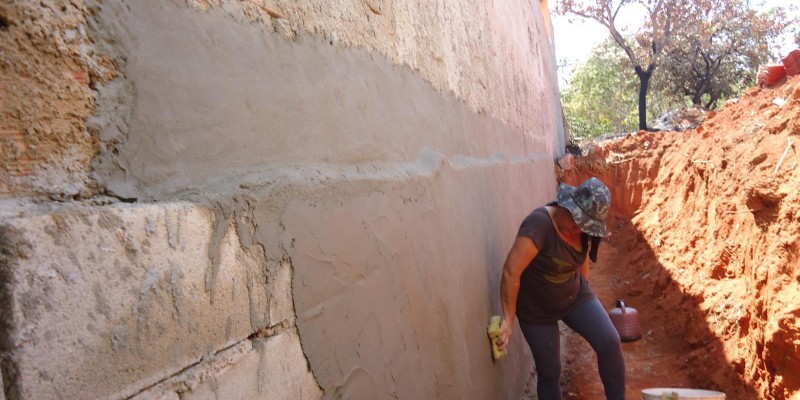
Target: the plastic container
(792, 63)
(769, 75)
(681, 394)
(626, 320)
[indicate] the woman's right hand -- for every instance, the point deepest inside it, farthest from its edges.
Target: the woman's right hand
(504, 335)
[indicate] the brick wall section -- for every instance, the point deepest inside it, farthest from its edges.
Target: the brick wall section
(48, 68)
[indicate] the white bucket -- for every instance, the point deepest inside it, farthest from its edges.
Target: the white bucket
(681, 394)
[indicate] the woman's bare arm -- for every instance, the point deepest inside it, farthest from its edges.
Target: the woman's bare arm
(519, 257)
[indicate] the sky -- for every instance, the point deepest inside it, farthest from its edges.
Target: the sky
(575, 40)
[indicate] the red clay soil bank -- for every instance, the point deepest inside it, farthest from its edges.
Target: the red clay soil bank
(706, 246)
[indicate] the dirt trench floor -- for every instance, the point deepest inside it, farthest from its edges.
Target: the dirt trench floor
(706, 246)
(663, 357)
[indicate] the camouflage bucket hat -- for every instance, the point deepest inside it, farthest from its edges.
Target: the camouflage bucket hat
(588, 203)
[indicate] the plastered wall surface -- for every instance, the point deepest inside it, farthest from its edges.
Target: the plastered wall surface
(323, 196)
(382, 311)
(495, 58)
(407, 307)
(226, 114)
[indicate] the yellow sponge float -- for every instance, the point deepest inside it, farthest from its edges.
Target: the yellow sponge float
(494, 336)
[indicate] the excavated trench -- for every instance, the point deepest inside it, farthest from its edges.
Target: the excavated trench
(705, 246)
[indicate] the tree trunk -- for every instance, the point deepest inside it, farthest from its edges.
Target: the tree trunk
(705, 81)
(697, 98)
(644, 84)
(712, 103)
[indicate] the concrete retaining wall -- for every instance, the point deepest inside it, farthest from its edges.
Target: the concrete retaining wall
(321, 198)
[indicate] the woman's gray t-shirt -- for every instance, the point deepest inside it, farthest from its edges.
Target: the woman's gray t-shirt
(552, 285)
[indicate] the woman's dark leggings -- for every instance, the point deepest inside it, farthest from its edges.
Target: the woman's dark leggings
(592, 322)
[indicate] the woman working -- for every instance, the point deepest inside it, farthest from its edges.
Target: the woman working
(545, 280)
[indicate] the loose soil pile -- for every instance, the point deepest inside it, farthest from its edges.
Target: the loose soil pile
(705, 245)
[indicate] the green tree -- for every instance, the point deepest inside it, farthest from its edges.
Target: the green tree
(597, 99)
(718, 56)
(663, 20)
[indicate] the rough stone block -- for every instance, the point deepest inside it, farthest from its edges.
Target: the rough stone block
(281, 306)
(275, 369)
(197, 374)
(104, 301)
(154, 395)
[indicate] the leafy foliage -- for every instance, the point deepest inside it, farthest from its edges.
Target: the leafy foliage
(599, 98)
(708, 49)
(663, 19)
(719, 55)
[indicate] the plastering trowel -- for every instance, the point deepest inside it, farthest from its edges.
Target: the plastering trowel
(494, 335)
